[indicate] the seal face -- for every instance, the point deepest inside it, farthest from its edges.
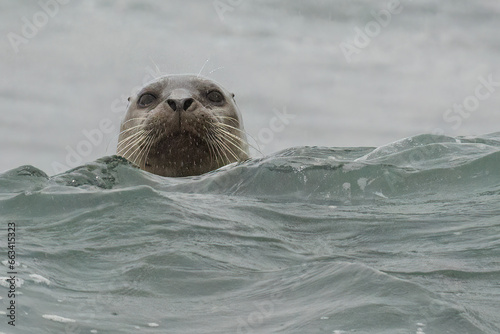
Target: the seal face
(182, 125)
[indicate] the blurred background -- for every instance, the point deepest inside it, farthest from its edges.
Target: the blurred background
(337, 73)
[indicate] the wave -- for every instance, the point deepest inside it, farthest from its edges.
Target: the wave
(427, 164)
(405, 242)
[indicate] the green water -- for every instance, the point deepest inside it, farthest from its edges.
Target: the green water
(404, 238)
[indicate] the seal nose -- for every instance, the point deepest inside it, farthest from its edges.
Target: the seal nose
(180, 104)
(180, 100)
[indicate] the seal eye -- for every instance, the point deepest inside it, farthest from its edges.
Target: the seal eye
(215, 96)
(146, 99)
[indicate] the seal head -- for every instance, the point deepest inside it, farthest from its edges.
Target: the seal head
(182, 125)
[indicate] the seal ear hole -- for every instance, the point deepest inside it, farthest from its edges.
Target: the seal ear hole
(215, 96)
(128, 99)
(146, 99)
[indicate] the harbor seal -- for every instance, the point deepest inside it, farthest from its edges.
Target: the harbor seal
(182, 125)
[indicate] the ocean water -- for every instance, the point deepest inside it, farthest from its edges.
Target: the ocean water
(402, 238)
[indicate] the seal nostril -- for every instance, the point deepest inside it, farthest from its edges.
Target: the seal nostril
(172, 104)
(187, 103)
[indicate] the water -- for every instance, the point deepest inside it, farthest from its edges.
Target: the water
(404, 238)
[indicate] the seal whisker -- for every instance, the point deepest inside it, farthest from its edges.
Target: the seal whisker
(130, 136)
(128, 140)
(121, 141)
(231, 138)
(124, 150)
(118, 135)
(130, 129)
(132, 119)
(220, 151)
(201, 70)
(215, 148)
(218, 68)
(225, 125)
(156, 66)
(133, 142)
(211, 150)
(224, 154)
(130, 147)
(223, 144)
(139, 151)
(243, 132)
(147, 154)
(219, 127)
(143, 139)
(146, 149)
